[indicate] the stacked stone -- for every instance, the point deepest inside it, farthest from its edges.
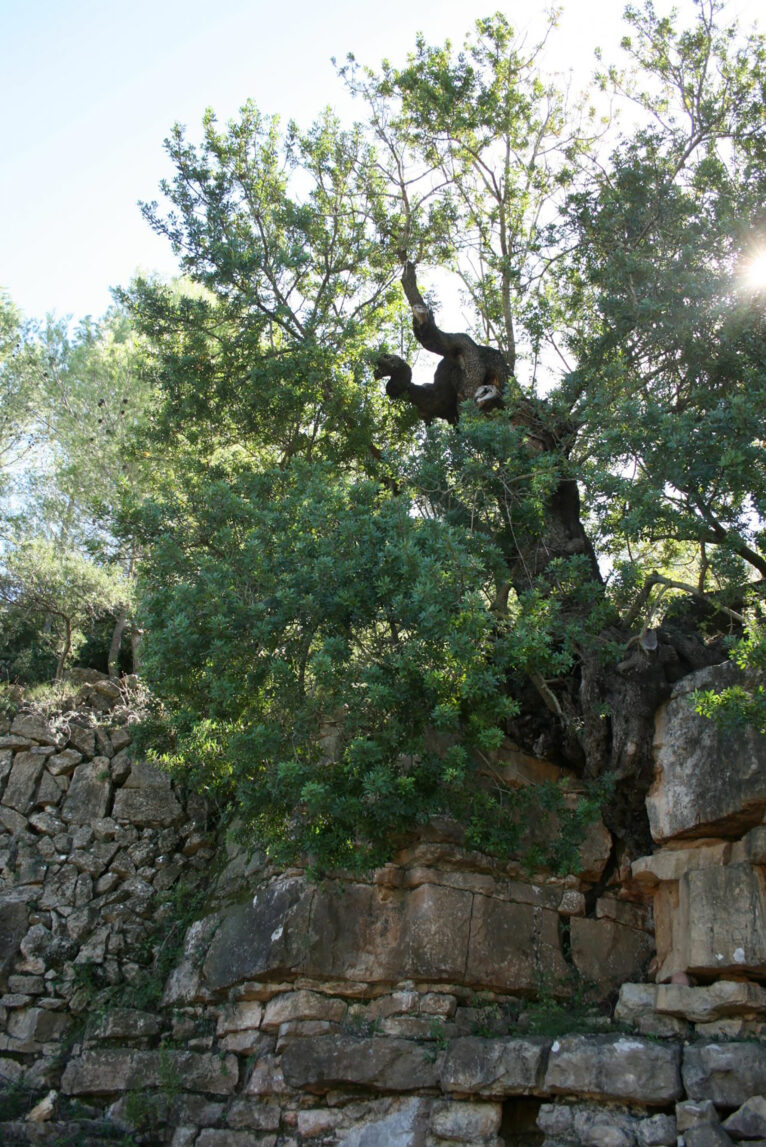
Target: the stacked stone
(707, 879)
(89, 842)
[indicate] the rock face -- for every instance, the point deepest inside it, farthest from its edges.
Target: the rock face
(404, 1009)
(705, 809)
(707, 782)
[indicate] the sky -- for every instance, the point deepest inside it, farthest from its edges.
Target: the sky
(89, 89)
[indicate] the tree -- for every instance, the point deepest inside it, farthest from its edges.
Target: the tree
(40, 580)
(348, 610)
(80, 400)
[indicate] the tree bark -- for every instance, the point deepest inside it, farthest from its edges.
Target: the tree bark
(113, 660)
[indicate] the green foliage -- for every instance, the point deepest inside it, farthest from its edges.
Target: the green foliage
(40, 580)
(343, 612)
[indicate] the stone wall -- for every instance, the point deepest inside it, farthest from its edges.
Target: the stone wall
(437, 1002)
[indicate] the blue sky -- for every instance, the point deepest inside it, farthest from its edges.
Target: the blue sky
(90, 89)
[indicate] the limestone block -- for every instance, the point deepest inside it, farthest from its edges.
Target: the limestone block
(36, 727)
(614, 1067)
(317, 1121)
(390, 1123)
(184, 984)
(147, 799)
(572, 903)
(89, 792)
(48, 791)
(726, 1073)
(14, 921)
(83, 740)
(514, 946)
(120, 739)
(6, 760)
(707, 1135)
(11, 743)
(494, 1067)
(22, 781)
(690, 1113)
(749, 1121)
(266, 1078)
(109, 1070)
(254, 1115)
(218, 1137)
(265, 937)
(466, 1122)
(673, 863)
(37, 1024)
(723, 919)
(382, 1064)
(634, 1001)
(64, 763)
(604, 1128)
(370, 932)
(302, 1005)
(656, 1131)
(714, 1001)
(435, 933)
(124, 1023)
(556, 1120)
(608, 953)
(240, 1017)
(707, 781)
(635, 1006)
(738, 1027)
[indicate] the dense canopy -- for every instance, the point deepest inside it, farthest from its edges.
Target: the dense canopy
(348, 609)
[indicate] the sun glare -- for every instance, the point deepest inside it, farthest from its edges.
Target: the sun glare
(755, 271)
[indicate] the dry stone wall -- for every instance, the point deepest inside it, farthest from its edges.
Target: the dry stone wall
(162, 986)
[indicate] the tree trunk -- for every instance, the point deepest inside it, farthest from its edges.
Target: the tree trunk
(113, 660)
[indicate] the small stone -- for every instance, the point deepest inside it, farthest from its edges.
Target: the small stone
(467, 1122)
(302, 1005)
(64, 763)
(572, 903)
(690, 1113)
(749, 1121)
(656, 1131)
(603, 1128)
(43, 1110)
(83, 740)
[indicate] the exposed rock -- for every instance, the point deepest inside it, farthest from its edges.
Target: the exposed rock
(14, 921)
(714, 1001)
(83, 740)
(262, 938)
(494, 1067)
(690, 1113)
(556, 1120)
(110, 1070)
(726, 1073)
(614, 1067)
(89, 793)
(302, 1005)
(749, 1121)
(64, 763)
(147, 798)
(608, 953)
(656, 1131)
(381, 1064)
(594, 1128)
(466, 1122)
(34, 726)
(707, 782)
(512, 946)
(22, 782)
(707, 1135)
(124, 1023)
